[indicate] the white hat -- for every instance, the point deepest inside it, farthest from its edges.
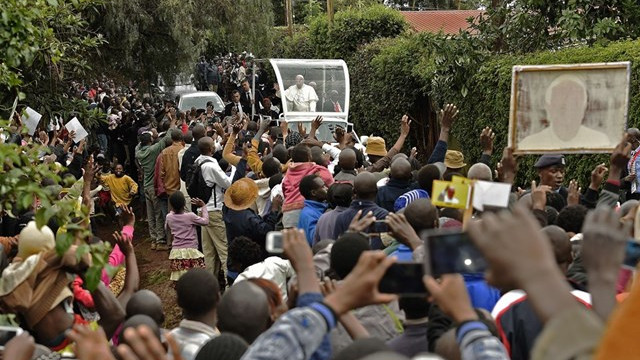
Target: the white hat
(33, 240)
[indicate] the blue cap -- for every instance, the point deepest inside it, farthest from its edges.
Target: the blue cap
(408, 198)
(550, 160)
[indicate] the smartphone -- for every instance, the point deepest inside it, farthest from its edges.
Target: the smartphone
(451, 252)
(7, 333)
(405, 279)
(632, 255)
(380, 226)
(274, 243)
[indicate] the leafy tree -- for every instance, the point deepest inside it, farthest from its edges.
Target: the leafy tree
(151, 37)
(529, 25)
(42, 45)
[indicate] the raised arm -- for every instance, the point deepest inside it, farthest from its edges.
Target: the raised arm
(405, 127)
(447, 117)
(227, 152)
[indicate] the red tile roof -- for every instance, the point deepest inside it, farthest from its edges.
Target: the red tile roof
(449, 21)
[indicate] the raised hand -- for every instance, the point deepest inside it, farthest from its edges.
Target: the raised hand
(514, 247)
(89, 344)
(402, 231)
(197, 202)
(218, 128)
(603, 249)
(284, 126)
(619, 158)
(573, 198)
(125, 244)
(360, 224)
(90, 169)
(539, 195)
(315, 124)
(604, 239)
(405, 126)
(360, 287)
(276, 204)
(21, 347)
(486, 140)
(451, 296)
(413, 153)
(597, 176)
(297, 249)
(142, 344)
(302, 130)
(128, 216)
(447, 116)
(237, 127)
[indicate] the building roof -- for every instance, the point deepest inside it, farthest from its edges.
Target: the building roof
(449, 21)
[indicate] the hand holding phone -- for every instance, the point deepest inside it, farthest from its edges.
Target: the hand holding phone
(451, 252)
(274, 244)
(7, 333)
(451, 296)
(405, 279)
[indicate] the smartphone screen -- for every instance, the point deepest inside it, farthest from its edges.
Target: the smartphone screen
(452, 253)
(632, 255)
(274, 243)
(8, 333)
(405, 279)
(380, 226)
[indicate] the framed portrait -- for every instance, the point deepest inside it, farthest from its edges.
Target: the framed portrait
(579, 108)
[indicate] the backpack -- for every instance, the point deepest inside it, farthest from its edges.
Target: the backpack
(196, 185)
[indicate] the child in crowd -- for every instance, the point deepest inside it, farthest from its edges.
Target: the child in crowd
(181, 233)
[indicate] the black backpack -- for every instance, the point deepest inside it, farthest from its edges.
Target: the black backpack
(196, 185)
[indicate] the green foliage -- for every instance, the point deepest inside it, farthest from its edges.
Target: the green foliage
(531, 25)
(488, 101)
(165, 37)
(353, 28)
(42, 43)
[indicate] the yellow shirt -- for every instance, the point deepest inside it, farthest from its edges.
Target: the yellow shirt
(122, 189)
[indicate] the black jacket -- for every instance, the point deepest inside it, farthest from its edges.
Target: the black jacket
(189, 157)
(227, 109)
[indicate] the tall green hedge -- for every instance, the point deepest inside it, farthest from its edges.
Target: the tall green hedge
(352, 28)
(385, 85)
(487, 102)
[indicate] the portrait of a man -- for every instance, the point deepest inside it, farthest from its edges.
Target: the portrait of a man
(581, 109)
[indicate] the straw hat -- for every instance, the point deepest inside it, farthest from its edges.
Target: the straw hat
(241, 195)
(454, 159)
(376, 146)
(34, 240)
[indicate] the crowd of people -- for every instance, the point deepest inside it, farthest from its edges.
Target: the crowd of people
(225, 73)
(210, 195)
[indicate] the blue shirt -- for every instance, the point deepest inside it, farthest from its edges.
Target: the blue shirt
(403, 253)
(309, 218)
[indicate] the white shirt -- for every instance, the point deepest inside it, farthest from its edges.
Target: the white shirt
(183, 185)
(216, 178)
(334, 152)
(303, 99)
(272, 268)
(548, 140)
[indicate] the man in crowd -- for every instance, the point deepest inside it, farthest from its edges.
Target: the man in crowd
(214, 238)
(146, 155)
(314, 191)
(236, 105)
(301, 97)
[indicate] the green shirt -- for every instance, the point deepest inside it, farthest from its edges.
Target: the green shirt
(146, 156)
